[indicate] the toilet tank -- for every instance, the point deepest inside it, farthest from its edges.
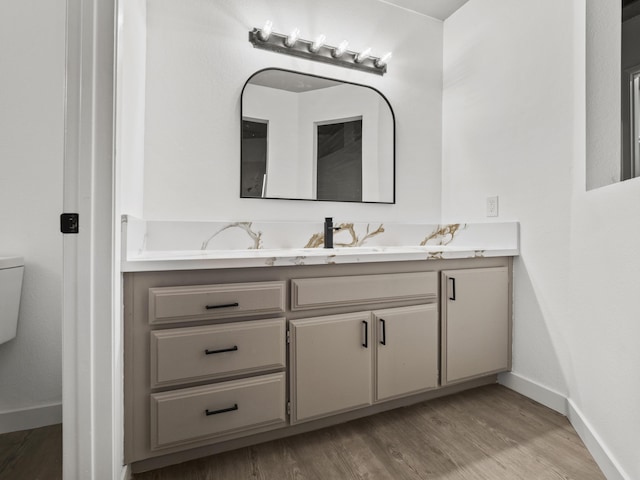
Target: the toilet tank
(11, 269)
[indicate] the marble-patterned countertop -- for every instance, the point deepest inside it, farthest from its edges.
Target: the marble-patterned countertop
(204, 259)
(159, 246)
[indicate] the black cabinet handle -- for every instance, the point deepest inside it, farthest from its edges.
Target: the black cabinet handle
(366, 334)
(211, 352)
(453, 289)
(384, 332)
(224, 305)
(222, 410)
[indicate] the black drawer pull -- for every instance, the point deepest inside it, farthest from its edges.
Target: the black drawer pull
(384, 332)
(211, 352)
(453, 289)
(222, 410)
(224, 305)
(366, 334)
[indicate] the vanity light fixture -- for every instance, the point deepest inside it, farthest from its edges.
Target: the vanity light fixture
(292, 38)
(318, 42)
(362, 56)
(264, 38)
(265, 32)
(383, 60)
(340, 49)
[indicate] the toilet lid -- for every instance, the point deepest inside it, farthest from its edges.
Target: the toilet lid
(11, 262)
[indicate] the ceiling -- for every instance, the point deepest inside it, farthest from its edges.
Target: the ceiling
(440, 9)
(291, 81)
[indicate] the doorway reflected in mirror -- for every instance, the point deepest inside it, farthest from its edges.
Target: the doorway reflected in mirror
(339, 161)
(630, 88)
(254, 164)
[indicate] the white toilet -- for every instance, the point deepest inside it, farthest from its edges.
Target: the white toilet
(11, 269)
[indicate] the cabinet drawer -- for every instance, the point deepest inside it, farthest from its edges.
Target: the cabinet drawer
(310, 293)
(192, 414)
(214, 351)
(177, 304)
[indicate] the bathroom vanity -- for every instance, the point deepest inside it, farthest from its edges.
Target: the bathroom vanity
(219, 358)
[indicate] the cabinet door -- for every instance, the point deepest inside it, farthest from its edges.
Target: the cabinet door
(476, 327)
(406, 350)
(331, 365)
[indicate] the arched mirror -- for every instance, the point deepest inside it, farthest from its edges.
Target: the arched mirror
(306, 137)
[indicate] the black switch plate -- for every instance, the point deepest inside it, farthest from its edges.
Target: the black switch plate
(69, 223)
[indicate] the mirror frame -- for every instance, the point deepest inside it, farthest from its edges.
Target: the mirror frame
(393, 136)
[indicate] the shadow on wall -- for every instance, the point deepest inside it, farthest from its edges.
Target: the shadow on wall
(535, 351)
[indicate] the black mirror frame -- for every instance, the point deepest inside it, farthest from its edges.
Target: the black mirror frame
(393, 117)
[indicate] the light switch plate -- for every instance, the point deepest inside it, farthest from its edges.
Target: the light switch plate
(492, 206)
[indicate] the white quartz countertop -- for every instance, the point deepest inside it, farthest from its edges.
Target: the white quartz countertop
(149, 246)
(207, 259)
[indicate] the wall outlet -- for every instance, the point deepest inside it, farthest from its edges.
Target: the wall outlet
(492, 206)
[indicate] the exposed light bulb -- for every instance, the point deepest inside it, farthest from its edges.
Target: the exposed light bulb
(340, 49)
(318, 42)
(383, 60)
(292, 38)
(265, 33)
(362, 55)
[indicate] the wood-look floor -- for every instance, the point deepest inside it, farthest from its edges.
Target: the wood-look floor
(489, 433)
(32, 454)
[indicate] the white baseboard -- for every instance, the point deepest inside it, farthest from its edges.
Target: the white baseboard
(28, 418)
(126, 473)
(595, 445)
(533, 390)
(561, 404)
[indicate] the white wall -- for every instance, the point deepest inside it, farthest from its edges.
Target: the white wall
(508, 126)
(603, 92)
(130, 106)
(515, 125)
(198, 59)
(32, 53)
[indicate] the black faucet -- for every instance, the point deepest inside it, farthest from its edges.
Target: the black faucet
(328, 232)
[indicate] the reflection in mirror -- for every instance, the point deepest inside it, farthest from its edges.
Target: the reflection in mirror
(254, 143)
(630, 92)
(312, 138)
(339, 161)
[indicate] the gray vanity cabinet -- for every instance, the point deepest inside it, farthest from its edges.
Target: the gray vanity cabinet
(475, 323)
(223, 358)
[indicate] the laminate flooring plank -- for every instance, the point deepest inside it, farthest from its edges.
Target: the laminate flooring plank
(473, 452)
(407, 453)
(32, 454)
(546, 441)
(545, 435)
(489, 433)
(308, 459)
(233, 464)
(276, 460)
(352, 444)
(495, 453)
(320, 458)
